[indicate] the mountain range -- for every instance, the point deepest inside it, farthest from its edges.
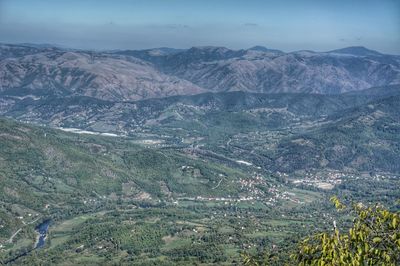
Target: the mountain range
(42, 71)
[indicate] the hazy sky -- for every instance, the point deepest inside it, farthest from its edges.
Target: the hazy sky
(283, 24)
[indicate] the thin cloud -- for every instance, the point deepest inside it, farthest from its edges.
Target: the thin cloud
(250, 25)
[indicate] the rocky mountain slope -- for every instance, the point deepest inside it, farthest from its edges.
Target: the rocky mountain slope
(156, 73)
(66, 73)
(265, 70)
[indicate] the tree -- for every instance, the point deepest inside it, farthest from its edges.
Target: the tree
(263, 259)
(374, 239)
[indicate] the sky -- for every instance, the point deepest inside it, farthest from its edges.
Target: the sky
(289, 25)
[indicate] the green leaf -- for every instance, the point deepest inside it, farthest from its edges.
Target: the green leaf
(377, 240)
(394, 222)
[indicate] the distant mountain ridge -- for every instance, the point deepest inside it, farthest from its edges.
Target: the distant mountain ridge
(264, 49)
(357, 51)
(57, 72)
(43, 70)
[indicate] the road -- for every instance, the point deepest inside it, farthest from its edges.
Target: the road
(12, 237)
(10, 240)
(219, 183)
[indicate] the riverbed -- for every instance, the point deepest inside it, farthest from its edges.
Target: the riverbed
(42, 230)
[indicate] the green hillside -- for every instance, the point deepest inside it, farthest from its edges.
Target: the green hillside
(194, 184)
(94, 187)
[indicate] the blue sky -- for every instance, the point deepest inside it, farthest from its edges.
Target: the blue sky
(284, 24)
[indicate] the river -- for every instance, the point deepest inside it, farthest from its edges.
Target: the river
(42, 229)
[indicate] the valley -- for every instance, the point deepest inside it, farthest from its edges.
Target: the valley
(189, 182)
(189, 166)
